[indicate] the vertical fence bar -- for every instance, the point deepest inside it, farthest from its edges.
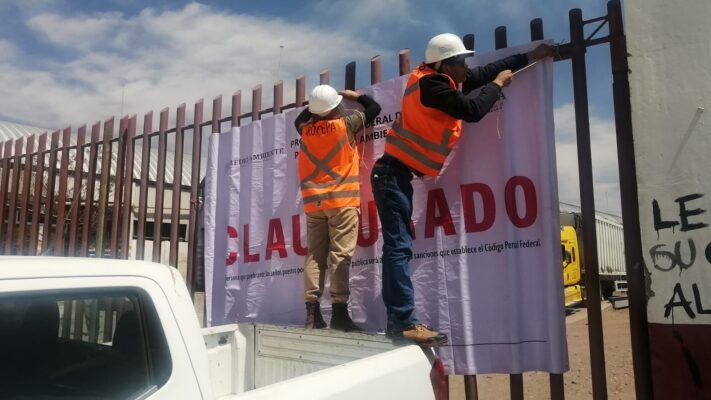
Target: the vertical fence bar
(536, 29)
(515, 380)
(120, 307)
(108, 319)
(193, 231)
(468, 41)
(556, 382)
(37, 196)
(49, 202)
(67, 316)
(404, 61)
(128, 188)
(93, 321)
(14, 188)
(350, 75)
(236, 108)
(177, 184)
(471, 391)
(104, 186)
(25, 195)
(216, 128)
(79, 320)
(90, 188)
(62, 194)
(628, 183)
(160, 185)
(300, 90)
(324, 77)
(376, 70)
(557, 387)
(587, 205)
(143, 185)
(118, 186)
(216, 114)
(256, 102)
(11, 196)
(516, 386)
(278, 97)
(78, 176)
(500, 40)
(4, 177)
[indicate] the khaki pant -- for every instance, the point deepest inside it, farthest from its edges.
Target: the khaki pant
(331, 236)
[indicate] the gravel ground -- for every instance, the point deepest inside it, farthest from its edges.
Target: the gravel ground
(578, 385)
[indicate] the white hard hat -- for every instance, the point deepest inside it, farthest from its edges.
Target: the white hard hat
(443, 46)
(323, 98)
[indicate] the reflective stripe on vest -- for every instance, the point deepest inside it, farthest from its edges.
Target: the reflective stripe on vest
(328, 167)
(423, 136)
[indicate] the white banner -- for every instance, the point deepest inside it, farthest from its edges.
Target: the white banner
(486, 266)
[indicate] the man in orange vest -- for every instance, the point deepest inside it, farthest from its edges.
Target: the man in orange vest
(330, 186)
(418, 144)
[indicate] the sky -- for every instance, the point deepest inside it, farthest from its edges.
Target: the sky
(70, 62)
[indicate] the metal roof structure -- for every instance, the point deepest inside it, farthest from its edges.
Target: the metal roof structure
(574, 209)
(9, 131)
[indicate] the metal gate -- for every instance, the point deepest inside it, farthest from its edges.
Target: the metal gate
(73, 195)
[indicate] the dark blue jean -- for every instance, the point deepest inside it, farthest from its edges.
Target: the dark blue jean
(392, 189)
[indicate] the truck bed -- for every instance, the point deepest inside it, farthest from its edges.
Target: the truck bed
(250, 356)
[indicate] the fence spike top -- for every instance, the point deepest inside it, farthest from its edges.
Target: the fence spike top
(468, 41)
(500, 39)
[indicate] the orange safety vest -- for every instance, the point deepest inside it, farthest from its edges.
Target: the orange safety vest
(423, 136)
(328, 166)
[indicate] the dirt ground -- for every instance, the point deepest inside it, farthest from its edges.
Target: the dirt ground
(578, 385)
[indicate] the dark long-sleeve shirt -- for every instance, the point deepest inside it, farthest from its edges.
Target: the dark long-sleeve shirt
(435, 91)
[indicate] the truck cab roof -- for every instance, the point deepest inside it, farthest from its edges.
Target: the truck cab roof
(57, 267)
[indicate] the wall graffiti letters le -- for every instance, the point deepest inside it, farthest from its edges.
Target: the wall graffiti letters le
(679, 253)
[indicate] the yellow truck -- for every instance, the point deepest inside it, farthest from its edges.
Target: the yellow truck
(610, 251)
(572, 273)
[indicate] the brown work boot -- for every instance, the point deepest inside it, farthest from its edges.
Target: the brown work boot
(424, 335)
(314, 319)
(341, 321)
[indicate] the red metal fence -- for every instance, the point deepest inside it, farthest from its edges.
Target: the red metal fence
(76, 198)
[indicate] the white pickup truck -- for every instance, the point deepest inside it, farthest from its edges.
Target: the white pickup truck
(90, 328)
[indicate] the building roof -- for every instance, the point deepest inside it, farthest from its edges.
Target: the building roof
(573, 209)
(9, 131)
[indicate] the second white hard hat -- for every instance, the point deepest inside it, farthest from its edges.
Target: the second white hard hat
(323, 98)
(443, 46)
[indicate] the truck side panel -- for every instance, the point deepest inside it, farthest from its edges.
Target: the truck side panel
(610, 247)
(610, 243)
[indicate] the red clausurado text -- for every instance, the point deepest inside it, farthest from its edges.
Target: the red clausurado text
(521, 212)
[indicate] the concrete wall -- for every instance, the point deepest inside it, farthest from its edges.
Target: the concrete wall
(670, 47)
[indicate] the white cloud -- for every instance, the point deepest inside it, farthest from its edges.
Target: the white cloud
(163, 58)
(8, 49)
(78, 33)
(604, 159)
